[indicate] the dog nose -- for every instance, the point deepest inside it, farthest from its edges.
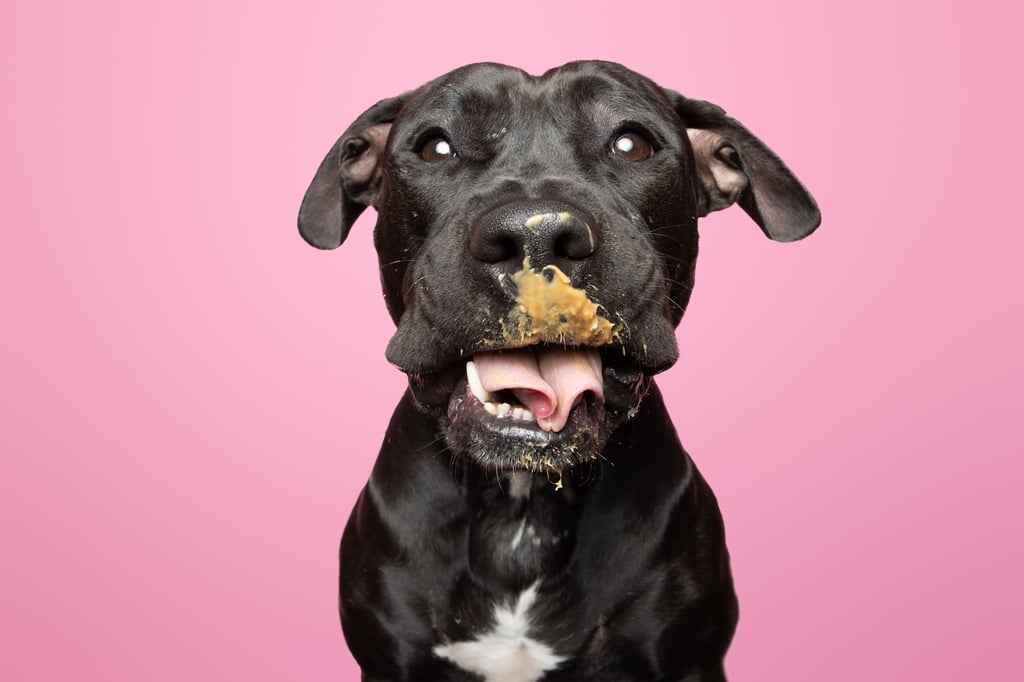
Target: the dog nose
(547, 234)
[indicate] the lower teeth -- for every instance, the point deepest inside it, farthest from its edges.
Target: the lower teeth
(499, 410)
(506, 411)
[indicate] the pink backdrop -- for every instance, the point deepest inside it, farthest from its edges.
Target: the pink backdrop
(191, 397)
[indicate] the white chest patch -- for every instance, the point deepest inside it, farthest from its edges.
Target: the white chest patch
(505, 653)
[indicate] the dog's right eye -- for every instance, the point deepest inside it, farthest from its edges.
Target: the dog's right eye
(437, 150)
(632, 147)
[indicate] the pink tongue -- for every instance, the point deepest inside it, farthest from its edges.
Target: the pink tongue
(547, 381)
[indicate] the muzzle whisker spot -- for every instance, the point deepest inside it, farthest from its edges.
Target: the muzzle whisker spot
(430, 444)
(676, 282)
(667, 231)
(413, 285)
(400, 261)
(676, 305)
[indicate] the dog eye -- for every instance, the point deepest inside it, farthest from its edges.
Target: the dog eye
(632, 147)
(437, 150)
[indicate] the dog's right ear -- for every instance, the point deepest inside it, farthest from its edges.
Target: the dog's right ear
(349, 178)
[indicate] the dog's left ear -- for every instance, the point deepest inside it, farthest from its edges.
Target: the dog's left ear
(349, 178)
(734, 166)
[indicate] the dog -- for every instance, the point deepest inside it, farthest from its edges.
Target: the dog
(531, 514)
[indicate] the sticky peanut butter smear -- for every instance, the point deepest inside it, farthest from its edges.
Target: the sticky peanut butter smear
(549, 308)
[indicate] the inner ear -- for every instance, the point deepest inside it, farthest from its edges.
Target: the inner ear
(361, 168)
(734, 166)
(350, 177)
(720, 176)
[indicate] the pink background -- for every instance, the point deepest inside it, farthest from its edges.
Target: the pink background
(191, 397)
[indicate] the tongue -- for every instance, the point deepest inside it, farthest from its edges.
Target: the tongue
(547, 382)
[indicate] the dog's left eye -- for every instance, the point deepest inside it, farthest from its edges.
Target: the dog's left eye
(437, 150)
(632, 147)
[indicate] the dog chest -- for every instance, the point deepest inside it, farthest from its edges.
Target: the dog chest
(520, 534)
(508, 651)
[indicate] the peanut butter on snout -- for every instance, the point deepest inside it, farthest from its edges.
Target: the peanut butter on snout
(549, 308)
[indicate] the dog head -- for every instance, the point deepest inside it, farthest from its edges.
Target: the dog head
(537, 239)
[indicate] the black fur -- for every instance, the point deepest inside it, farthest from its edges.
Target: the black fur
(627, 551)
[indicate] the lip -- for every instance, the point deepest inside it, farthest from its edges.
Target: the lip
(507, 444)
(504, 443)
(464, 405)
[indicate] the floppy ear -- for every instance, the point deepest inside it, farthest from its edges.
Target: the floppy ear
(349, 178)
(734, 166)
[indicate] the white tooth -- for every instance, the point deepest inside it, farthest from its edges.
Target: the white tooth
(475, 385)
(504, 409)
(491, 408)
(517, 413)
(527, 416)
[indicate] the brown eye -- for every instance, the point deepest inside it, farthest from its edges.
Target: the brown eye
(632, 147)
(437, 150)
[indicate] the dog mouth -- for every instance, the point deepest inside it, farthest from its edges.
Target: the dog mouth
(541, 408)
(544, 390)
(539, 386)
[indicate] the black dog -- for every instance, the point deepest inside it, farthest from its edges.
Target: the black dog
(532, 515)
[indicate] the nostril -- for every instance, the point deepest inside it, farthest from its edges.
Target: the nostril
(574, 240)
(561, 235)
(569, 245)
(493, 244)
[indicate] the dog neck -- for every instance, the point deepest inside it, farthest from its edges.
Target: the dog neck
(521, 526)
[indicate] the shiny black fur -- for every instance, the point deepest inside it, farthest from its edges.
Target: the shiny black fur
(627, 549)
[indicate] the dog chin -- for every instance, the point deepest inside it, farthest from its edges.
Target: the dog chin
(497, 433)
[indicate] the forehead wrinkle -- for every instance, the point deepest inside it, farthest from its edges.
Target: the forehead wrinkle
(592, 97)
(452, 90)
